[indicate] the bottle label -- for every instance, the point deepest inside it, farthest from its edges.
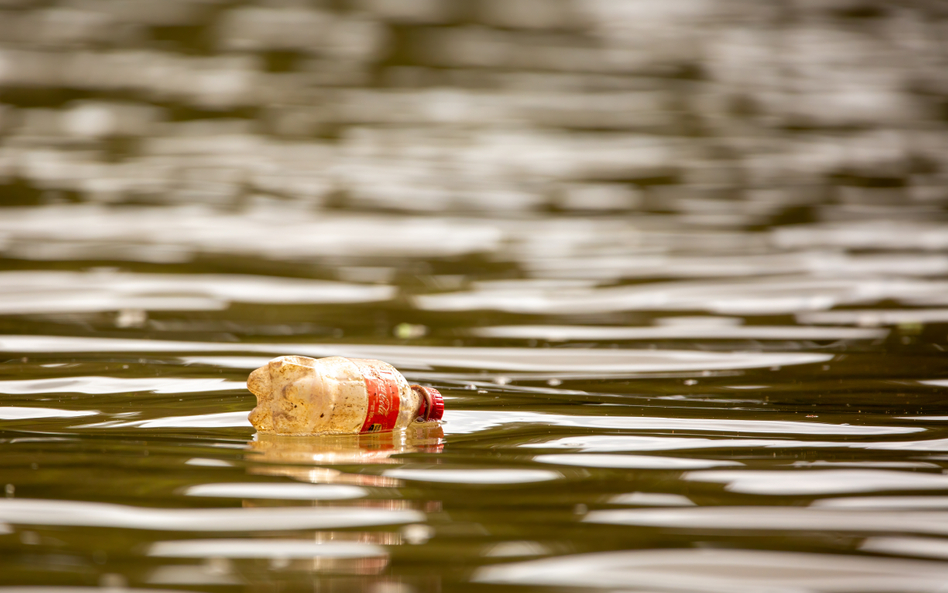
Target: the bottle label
(381, 386)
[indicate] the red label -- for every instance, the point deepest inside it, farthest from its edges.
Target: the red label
(381, 386)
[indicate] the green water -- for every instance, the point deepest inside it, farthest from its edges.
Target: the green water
(130, 462)
(679, 272)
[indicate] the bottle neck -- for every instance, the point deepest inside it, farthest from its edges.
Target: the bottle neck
(424, 402)
(431, 405)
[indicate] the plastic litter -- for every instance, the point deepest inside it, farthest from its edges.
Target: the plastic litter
(298, 395)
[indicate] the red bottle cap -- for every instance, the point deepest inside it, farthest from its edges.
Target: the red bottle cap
(432, 406)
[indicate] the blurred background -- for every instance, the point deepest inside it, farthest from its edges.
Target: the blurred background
(427, 143)
(239, 118)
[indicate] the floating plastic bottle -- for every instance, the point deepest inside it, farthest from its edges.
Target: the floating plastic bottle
(298, 395)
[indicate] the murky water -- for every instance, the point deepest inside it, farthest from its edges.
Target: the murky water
(679, 269)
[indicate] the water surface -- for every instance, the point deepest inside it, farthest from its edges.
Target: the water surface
(679, 269)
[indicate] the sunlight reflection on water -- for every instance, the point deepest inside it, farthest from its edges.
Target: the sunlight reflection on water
(716, 571)
(65, 513)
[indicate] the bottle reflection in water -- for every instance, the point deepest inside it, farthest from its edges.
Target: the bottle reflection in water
(294, 456)
(303, 458)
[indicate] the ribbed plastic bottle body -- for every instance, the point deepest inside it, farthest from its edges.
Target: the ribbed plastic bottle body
(299, 395)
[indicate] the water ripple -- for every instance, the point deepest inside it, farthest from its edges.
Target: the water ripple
(263, 548)
(737, 518)
(722, 571)
(510, 359)
(632, 461)
(33, 292)
(794, 483)
(925, 547)
(760, 296)
(678, 332)
(103, 385)
(473, 475)
(469, 421)
(620, 443)
(277, 491)
(24, 413)
(218, 420)
(93, 514)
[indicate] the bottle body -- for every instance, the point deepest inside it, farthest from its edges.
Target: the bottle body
(298, 395)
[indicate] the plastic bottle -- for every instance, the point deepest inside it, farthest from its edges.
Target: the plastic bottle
(299, 395)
